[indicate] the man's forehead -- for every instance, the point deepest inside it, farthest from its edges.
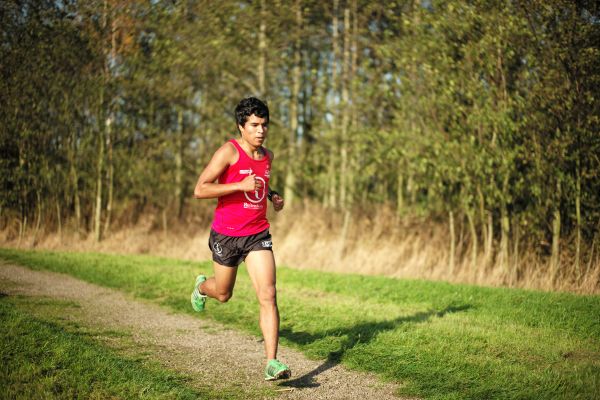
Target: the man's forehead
(257, 120)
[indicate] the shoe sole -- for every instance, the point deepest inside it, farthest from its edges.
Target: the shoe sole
(198, 282)
(194, 304)
(285, 374)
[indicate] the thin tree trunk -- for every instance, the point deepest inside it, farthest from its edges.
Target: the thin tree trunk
(400, 192)
(504, 237)
(106, 121)
(75, 182)
(344, 171)
(556, 225)
(452, 242)
(38, 222)
(262, 48)
(332, 197)
(290, 178)
(22, 229)
(164, 222)
(474, 241)
(59, 220)
(516, 261)
(489, 239)
(578, 221)
(331, 177)
(110, 174)
(344, 234)
(109, 135)
(98, 207)
(179, 164)
(482, 222)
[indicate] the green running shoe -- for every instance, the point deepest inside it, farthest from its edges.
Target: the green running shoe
(198, 299)
(276, 370)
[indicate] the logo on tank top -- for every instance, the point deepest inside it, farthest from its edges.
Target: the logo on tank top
(256, 196)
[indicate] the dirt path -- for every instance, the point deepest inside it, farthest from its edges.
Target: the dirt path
(196, 347)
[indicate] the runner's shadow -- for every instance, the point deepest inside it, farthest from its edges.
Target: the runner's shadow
(361, 333)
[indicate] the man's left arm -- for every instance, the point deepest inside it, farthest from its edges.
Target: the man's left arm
(272, 195)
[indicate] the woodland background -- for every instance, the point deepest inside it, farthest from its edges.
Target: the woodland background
(453, 140)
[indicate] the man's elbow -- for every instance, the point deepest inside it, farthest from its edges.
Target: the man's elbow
(199, 192)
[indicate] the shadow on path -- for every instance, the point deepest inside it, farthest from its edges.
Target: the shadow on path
(360, 333)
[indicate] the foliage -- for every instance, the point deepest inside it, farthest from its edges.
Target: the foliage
(482, 110)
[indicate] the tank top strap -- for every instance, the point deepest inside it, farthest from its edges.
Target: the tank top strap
(242, 151)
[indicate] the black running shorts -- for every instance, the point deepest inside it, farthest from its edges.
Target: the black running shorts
(232, 250)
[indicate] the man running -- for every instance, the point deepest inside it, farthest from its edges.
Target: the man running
(238, 175)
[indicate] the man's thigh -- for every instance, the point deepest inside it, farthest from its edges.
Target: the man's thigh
(224, 277)
(261, 268)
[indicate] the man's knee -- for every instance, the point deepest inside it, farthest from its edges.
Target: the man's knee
(223, 297)
(267, 295)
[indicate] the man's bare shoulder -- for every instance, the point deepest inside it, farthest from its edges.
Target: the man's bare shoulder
(227, 152)
(270, 153)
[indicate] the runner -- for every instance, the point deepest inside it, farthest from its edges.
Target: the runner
(238, 175)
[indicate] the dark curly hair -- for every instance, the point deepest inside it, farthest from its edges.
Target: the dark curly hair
(248, 106)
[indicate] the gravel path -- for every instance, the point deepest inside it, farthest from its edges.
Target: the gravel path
(197, 347)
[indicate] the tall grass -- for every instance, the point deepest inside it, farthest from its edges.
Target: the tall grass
(376, 243)
(439, 340)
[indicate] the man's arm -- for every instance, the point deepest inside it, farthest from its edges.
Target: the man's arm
(207, 188)
(274, 196)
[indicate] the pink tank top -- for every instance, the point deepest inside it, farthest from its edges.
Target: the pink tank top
(243, 213)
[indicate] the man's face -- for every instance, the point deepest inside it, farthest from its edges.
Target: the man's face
(254, 130)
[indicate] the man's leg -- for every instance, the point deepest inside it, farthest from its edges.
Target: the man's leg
(220, 286)
(261, 267)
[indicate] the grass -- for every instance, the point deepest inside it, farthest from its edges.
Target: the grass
(438, 340)
(43, 360)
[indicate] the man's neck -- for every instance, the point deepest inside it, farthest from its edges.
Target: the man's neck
(252, 151)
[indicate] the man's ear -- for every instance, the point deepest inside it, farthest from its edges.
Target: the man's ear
(240, 128)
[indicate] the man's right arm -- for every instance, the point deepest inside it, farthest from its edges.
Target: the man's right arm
(207, 186)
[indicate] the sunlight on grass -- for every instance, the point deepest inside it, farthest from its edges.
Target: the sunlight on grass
(436, 339)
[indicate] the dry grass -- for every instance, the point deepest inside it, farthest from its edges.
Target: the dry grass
(312, 237)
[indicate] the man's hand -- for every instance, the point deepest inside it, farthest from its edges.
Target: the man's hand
(277, 201)
(250, 184)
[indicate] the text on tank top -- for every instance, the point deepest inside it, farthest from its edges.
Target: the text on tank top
(243, 213)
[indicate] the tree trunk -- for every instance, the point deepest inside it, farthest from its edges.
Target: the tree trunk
(98, 207)
(332, 199)
(578, 221)
(22, 228)
(489, 236)
(504, 229)
(556, 224)
(400, 192)
(179, 164)
(59, 220)
(262, 49)
(290, 178)
(344, 170)
(38, 222)
(452, 242)
(516, 239)
(482, 221)
(474, 241)
(344, 234)
(164, 222)
(75, 182)
(331, 171)
(109, 133)
(110, 174)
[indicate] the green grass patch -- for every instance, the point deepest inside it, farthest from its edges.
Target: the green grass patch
(439, 340)
(41, 359)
